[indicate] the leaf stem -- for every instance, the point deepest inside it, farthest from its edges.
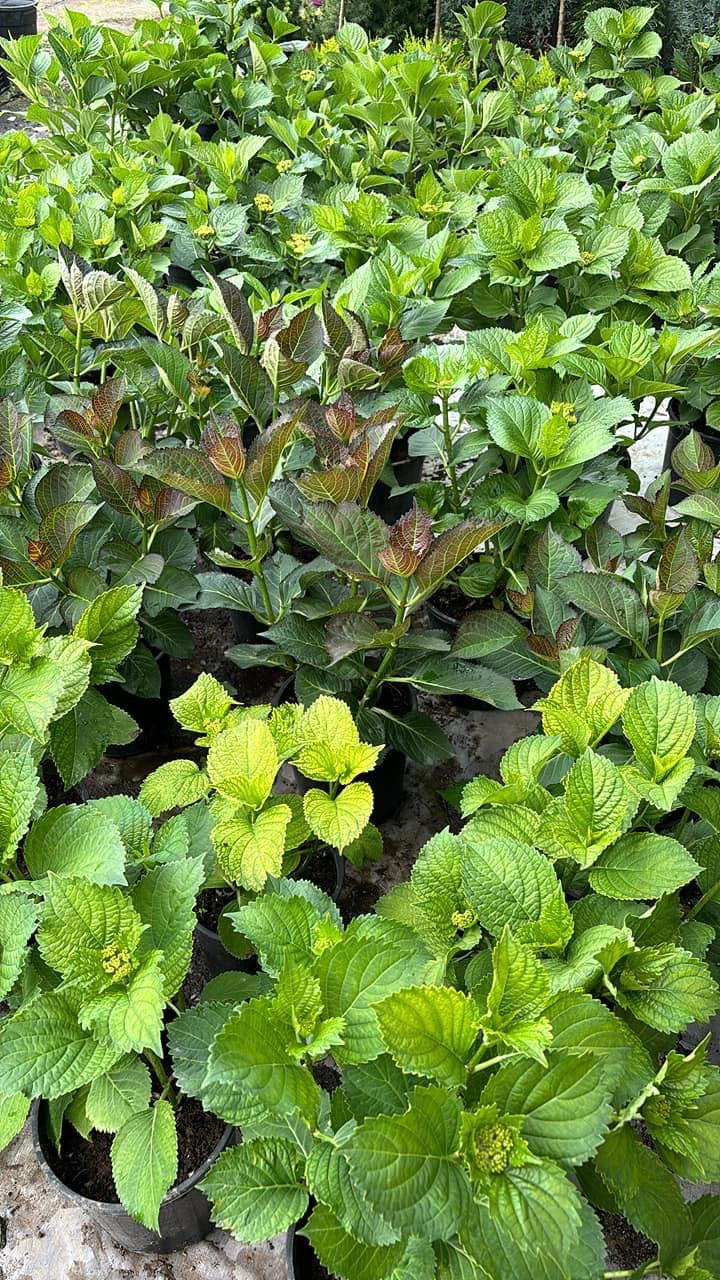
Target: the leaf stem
(448, 442)
(386, 662)
(701, 902)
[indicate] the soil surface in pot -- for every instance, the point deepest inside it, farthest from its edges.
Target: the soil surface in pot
(451, 601)
(85, 1166)
(210, 905)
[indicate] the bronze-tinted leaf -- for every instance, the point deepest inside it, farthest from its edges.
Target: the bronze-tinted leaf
(15, 441)
(543, 646)
(678, 569)
(338, 334)
(222, 441)
(393, 350)
(341, 417)
(189, 471)
(105, 404)
(566, 633)
(39, 553)
(265, 453)
(521, 601)
(413, 531)
(691, 455)
(399, 560)
(115, 486)
(270, 322)
(303, 339)
(236, 309)
(129, 448)
(451, 548)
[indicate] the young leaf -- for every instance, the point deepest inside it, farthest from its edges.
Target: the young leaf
(256, 1189)
(429, 1031)
(341, 820)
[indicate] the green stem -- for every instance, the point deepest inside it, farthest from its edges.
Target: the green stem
(390, 653)
(448, 441)
(252, 543)
(161, 1076)
(659, 641)
(78, 351)
(707, 897)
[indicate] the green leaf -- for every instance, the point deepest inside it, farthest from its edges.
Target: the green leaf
(19, 636)
(407, 1169)
(609, 599)
(659, 722)
(144, 1158)
(18, 918)
(44, 1052)
(566, 1104)
(202, 706)
(115, 1097)
(165, 901)
(173, 786)
(79, 739)
(643, 865)
(256, 1189)
(132, 1017)
(517, 999)
(189, 472)
(249, 383)
(667, 988)
(649, 1195)
(14, 1112)
(75, 840)
(250, 846)
(331, 750)
(529, 1226)
(83, 926)
(339, 821)
(19, 785)
(29, 696)
(598, 806)
(349, 1258)
(110, 622)
(583, 705)
(506, 882)
(351, 537)
(429, 1031)
(516, 424)
(450, 549)
(375, 958)
(579, 1023)
(252, 1053)
(242, 762)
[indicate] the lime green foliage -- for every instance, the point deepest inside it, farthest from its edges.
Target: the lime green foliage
(94, 946)
(257, 834)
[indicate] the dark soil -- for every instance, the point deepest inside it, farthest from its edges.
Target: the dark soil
(213, 634)
(327, 1075)
(320, 870)
(210, 904)
(55, 787)
(623, 1242)
(198, 975)
(450, 601)
(85, 1166)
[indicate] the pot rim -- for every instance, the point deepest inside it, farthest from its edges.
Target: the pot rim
(113, 1206)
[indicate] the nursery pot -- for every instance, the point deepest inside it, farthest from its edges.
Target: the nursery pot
(216, 956)
(387, 778)
(17, 18)
(151, 714)
(678, 432)
(184, 1213)
(300, 1260)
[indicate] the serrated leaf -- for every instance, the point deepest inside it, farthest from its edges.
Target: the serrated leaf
(250, 846)
(429, 1031)
(130, 1018)
(350, 1258)
(173, 786)
(642, 865)
(609, 599)
(115, 1097)
(18, 918)
(242, 762)
(19, 785)
(659, 721)
(144, 1158)
(72, 840)
(256, 1189)
(506, 882)
(667, 988)
(110, 622)
(583, 705)
(566, 1104)
(340, 820)
(44, 1052)
(165, 901)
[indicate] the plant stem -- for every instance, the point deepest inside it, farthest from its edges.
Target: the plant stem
(78, 351)
(659, 641)
(448, 441)
(390, 653)
(707, 897)
(252, 543)
(161, 1075)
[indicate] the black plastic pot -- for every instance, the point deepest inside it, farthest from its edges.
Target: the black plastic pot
(407, 471)
(299, 1257)
(246, 627)
(17, 18)
(387, 778)
(184, 1213)
(216, 956)
(152, 714)
(678, 431)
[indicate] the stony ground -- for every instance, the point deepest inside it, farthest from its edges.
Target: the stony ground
(43, 1236)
